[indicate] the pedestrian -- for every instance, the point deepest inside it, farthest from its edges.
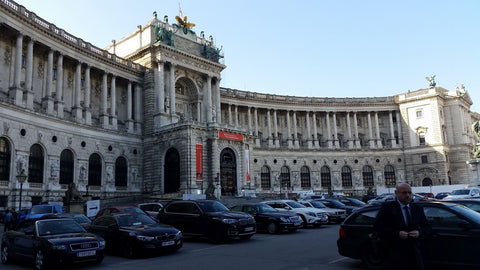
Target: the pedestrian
(8, 220)
(14, 218)
(401, 225)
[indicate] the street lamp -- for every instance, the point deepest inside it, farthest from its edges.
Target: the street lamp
(22, 177)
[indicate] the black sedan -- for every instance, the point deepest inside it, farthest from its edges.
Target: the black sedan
(336, 204)
(453, 243)
(208, 218)
(134, 234)
(270, 219)
(473, 204)
(48, 242)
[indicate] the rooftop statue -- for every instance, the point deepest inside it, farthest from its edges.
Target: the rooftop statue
(476, 130)
(184, 23)
(431, 80)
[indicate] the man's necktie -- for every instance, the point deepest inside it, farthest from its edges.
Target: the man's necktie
(409, 217)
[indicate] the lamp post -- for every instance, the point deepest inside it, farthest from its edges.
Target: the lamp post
(22, 177)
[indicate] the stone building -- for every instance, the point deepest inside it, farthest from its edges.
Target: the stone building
(146, 116)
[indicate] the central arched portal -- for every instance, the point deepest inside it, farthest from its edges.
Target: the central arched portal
(228, 172)
(171, 176)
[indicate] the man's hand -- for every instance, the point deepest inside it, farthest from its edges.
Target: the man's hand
(414, 234)
(403, 235)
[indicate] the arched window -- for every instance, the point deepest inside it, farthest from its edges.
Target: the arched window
(346, 176)
(265, 177)
(94, 170)
(66, 167)
(426, 182)
(389, 175)
(121, 172)
(4, 159)
(285, 177)
(367, 174)
(35, 164)
(305, 177)
(325, 177)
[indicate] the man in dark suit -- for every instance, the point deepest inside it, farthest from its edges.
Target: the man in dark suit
(401, 224)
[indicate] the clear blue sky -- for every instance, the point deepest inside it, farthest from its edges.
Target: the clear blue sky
(322, 48)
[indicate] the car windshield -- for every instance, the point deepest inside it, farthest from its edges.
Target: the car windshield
(81, 219)
(469, 213)
(317, 204)
(212, 206)
(58, 226)
(265, 208)
(460, 192)
(355, 202)
(135, 210)
(294, 204)
(134, 220)
(337, 203)
(41, 209)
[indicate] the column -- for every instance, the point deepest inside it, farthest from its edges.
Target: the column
(172, 90)
(59, 104)
(138, 109)
(249, 119)
(160, 87)
(289, 131)
(208, 101)
(329, 135)
(296, 143)
(47, 102)
(104, 114)
(236, 115)
(309, 134)
(77, 110)
(217, 101)
(349, 132)
(315, 132)
(370, 134)
(255, 116)
(392, 132)
(230, 114)
(356, 138)
(269, 129)
(399, 129)
(335, 132)
(377, 131)
(28, 75)
(275, 129)
(15, 92)
(87, 113)
(129, 121)
(113, 102)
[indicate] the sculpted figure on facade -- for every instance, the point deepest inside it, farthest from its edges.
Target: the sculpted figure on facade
(54, 169)
(83, 172)
(476, 147)
(21, 164)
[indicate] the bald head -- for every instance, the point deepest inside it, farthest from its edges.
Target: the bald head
(404, 193)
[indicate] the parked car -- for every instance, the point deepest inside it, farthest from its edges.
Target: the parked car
(37, 211)
(442, 195)
(207, 218)
(310, 216)
(151, 208)
(336, 204)
(83, 220)
(473, 204)
(452, 225)
(270, 219)
(314, 197)
(119, 209)
(47, 242)
(334, 215)
(426, 194)
(132, 234)
(391, 196)
(348, 201)
(464, 193)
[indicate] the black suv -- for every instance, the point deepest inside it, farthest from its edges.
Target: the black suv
(207, 218)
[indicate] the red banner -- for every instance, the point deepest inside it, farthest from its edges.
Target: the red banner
(199, 155)
(230, 136)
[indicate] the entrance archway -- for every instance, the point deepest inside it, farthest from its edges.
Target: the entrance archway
(228, 172)
(427, 182)
(171, 174)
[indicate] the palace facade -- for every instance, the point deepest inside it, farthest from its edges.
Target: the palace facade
(147, 116)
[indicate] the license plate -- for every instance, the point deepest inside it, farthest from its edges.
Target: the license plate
(86, 253)
(169, 243)
(248, 229)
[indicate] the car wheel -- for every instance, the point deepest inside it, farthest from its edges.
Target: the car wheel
(272, 228)
(218, 237)
(128, 250)
(5, 256)
(40, 260)
(374, 256)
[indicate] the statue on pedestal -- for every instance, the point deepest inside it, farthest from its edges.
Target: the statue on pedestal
(476, 130)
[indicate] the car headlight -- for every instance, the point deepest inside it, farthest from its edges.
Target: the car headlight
(101, 243)
(229, 220)
(284, 219)
(59, 247)
(311, 214)
(179, 235)
(145, 238)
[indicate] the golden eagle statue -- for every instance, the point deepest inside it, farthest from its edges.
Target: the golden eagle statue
(183, 22)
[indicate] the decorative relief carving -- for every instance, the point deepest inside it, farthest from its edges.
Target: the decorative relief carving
(7, 56)
(40, 70)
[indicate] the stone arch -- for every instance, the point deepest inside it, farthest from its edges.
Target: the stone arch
(171, 173)
(228, 172)
(187, 101)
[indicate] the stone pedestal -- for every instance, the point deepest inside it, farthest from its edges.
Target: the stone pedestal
(76, 207)
(475, 172)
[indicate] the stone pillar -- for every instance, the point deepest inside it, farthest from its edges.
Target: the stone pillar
(392, 132)
(129, 121)
(315, 132)
(138, 109)
(77, 110)
(370, 134)
(335, 132)
(28, 91)
(230, 114)
(160, 89)
(269, 129)
(59, 104)
(249, 119)
(296, 143)
(399, 129)
(357, 139)
(172, 90)
(329, 135)
(208, 100)
(236, 115)
(15, 92)
(377, 130)
(289, 131)
(104, 114)
(217, 101)
(87, 113)
(47, 102)
(255, 116)
(113, 102)
(349, 132)
(309, 134)
(275, 129)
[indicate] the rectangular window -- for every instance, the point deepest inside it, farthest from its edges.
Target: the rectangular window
(419, 113)
(424, 159)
